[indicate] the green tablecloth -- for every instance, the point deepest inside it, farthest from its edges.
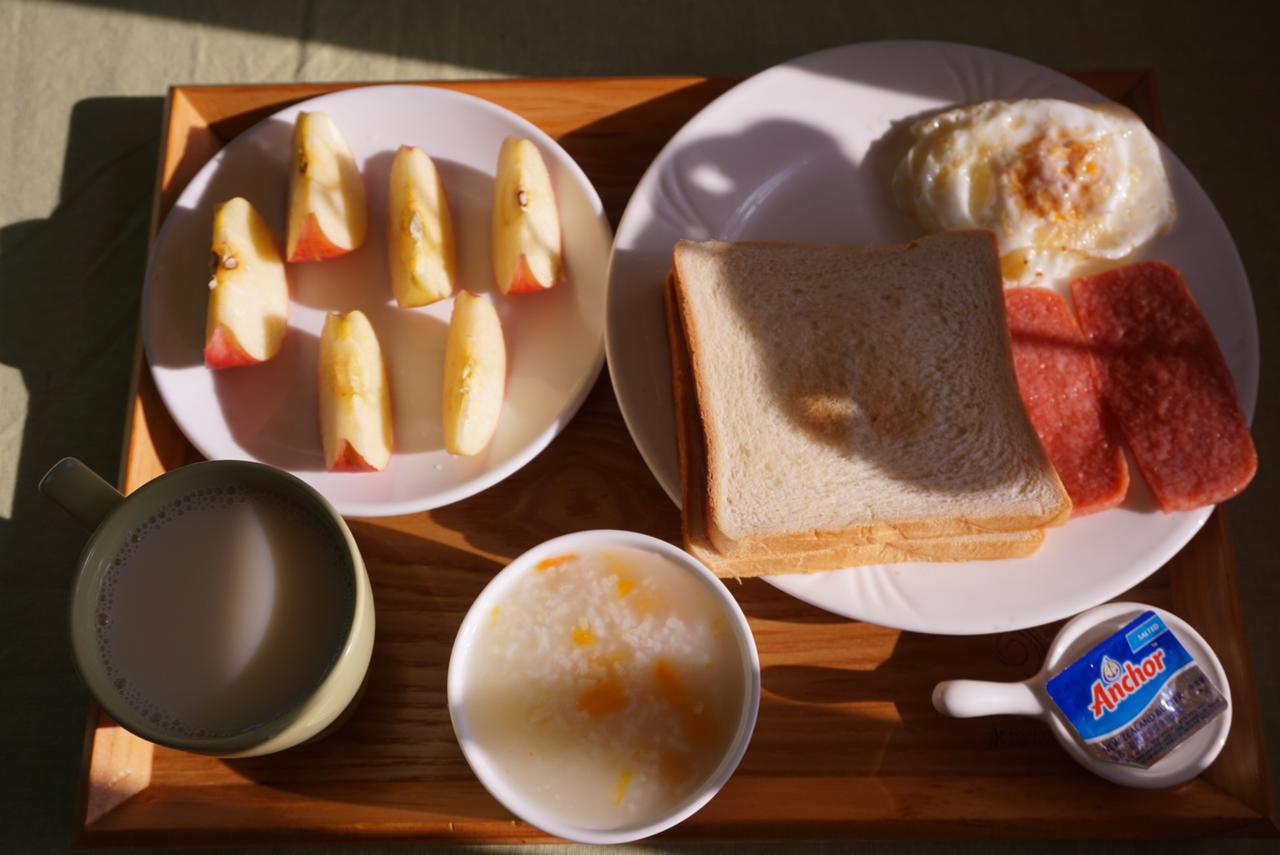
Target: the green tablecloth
(81, 96)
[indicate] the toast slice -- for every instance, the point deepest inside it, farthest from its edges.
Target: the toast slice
(856, 395)
(761, 562)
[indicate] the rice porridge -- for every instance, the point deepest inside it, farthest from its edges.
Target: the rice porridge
(606, 686)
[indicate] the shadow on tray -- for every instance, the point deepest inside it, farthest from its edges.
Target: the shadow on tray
(69, 288)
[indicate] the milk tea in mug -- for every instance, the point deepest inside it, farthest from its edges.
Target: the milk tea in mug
(221, 608)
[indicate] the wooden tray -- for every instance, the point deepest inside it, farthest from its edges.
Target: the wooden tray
(847, 744)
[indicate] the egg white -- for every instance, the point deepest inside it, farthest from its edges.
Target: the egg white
(1062, 185)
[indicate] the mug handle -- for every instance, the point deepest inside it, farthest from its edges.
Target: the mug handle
(80, 492)
(972, 698)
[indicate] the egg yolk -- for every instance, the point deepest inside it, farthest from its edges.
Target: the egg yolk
(582, 636)
(1014, 265)
(1056, 178)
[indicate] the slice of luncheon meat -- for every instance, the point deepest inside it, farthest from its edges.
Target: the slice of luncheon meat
(1059, 388)
(1164, 379)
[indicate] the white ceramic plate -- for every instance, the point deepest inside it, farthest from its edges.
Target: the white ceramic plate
(268, 412)
(803, 151)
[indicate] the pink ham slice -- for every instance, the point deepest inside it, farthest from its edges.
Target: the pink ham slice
(1058, 385)
(1164, 379)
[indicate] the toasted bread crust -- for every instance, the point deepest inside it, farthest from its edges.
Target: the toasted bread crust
(761, 559)
(975, 547)
(688, 431)
(997, 534)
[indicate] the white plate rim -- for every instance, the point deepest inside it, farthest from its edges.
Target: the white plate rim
(794, 584)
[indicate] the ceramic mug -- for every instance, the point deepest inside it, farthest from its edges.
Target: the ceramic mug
(112, 518)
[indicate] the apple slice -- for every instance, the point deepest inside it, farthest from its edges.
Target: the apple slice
(475, 375)
(355, 400)
(419, 231)
(526, 224)
(249, 294)
(327, 213)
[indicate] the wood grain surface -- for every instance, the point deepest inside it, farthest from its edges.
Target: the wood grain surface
(847, 744)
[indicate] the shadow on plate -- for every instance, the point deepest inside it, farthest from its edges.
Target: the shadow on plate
(413, 348)
(175, 297)
(270, 408)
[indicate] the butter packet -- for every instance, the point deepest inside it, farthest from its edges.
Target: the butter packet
(1136, 696)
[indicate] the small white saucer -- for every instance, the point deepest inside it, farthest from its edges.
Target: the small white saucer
(969, 698)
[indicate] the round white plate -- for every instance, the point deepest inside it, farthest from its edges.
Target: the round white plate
(267, 412)
(804, 151)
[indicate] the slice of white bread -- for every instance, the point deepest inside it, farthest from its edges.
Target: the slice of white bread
(760, 562)
(857, 395)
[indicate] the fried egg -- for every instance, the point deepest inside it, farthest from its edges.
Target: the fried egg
(1063, 185)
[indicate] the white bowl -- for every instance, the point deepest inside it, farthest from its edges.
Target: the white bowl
(479, 759)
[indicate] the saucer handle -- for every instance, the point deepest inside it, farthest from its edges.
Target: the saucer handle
(80, 492)
(971, 698)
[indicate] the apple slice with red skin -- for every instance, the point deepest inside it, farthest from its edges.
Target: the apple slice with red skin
(224, 351)
(355, 398)
(328, 216)
(525, 225)
(249, 292)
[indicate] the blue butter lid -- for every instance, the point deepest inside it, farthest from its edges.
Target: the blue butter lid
(1137, 695)
(1107, 687)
